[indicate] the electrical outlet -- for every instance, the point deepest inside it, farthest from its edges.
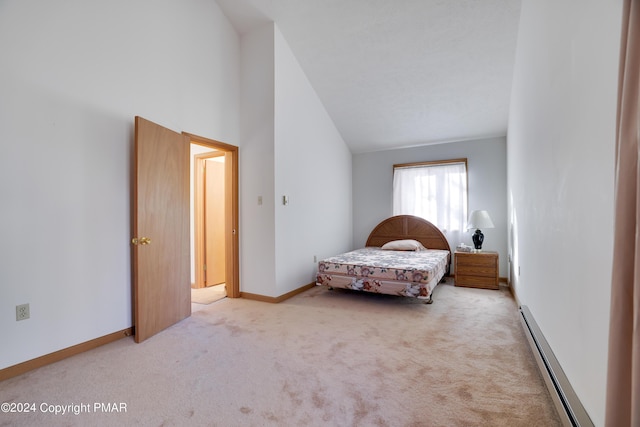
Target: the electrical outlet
(22, 312)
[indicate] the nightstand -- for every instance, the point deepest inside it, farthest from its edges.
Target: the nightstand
(477, 270)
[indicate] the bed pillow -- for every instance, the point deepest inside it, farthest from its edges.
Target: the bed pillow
(403, 245)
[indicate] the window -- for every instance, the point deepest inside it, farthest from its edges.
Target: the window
(435, 191)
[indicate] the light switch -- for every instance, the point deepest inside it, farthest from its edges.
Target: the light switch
(285, 200)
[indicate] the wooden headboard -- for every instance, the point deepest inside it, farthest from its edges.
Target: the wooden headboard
(408, 227)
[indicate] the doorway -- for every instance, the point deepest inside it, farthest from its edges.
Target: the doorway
(209, 218)
(208, 280)
(214, 219)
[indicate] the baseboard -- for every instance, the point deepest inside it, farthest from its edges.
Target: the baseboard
(263, 298)
(569, 407)
(47, 359)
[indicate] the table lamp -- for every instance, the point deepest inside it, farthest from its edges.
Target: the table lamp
(478, 220)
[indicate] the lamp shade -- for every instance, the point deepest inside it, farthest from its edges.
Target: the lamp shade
(479, 219)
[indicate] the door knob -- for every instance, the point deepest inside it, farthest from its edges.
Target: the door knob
(141, 241)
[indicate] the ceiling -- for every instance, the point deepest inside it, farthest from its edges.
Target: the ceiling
(399, 73)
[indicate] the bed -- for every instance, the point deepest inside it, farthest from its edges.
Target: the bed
(404, 255)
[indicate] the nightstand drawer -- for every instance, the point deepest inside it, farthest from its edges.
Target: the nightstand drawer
(484, 259)
(476, 270)
(476, 282)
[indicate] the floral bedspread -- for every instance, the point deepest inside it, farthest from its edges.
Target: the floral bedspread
(407, 273)
(412, 266)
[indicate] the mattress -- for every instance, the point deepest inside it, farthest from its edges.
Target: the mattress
(406, 273)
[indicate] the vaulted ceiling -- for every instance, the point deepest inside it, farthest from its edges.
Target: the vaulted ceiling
(400, 73)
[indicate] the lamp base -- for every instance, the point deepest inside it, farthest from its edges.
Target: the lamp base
(478, 238)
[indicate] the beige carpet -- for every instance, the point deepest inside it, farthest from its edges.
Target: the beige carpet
(322, 358)
(208, 295)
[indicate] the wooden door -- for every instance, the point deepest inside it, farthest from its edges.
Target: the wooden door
(215, 221)
(161, 269)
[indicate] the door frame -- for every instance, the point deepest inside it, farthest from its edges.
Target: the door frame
(232, 268)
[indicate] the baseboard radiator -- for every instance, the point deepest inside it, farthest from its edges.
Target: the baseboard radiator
(571, 411)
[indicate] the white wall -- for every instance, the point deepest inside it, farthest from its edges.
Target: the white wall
(256, 163)
(288, 138)
(312, 168)
(486, 167)
(74, 75)
(561, 146)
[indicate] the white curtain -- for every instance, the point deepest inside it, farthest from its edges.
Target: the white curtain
(437, 193)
